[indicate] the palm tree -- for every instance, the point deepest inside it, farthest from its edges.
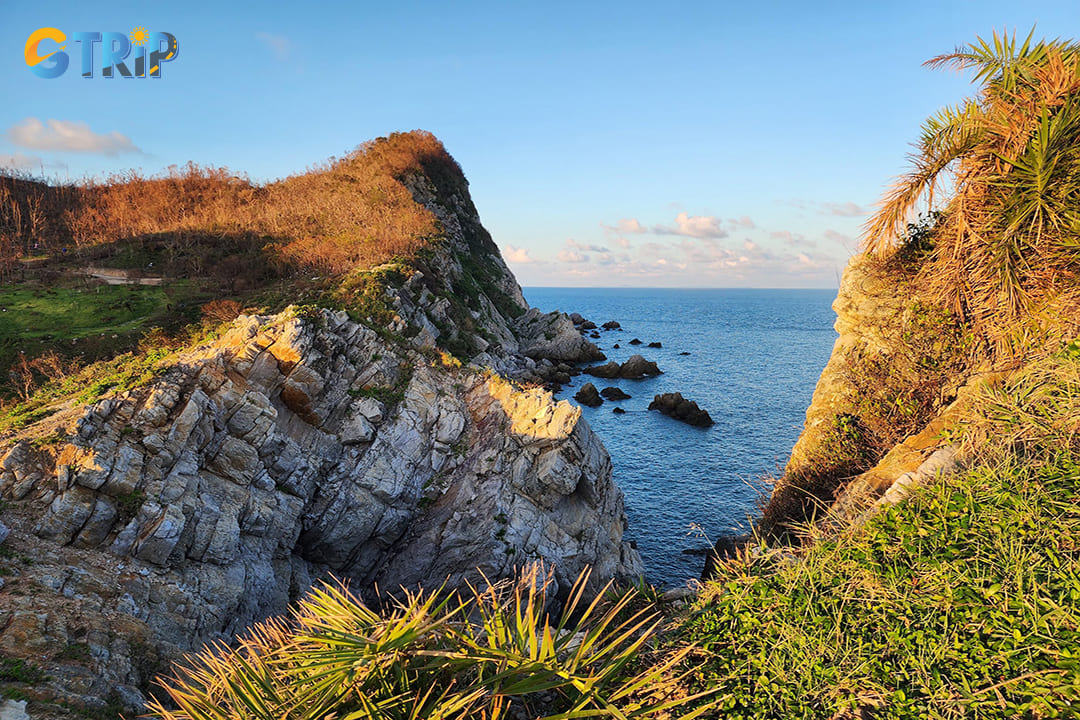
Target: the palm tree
(1006, 248)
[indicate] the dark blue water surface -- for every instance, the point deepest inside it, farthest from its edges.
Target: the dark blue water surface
(755, 356)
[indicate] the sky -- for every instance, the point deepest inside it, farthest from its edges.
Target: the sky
(607, 144)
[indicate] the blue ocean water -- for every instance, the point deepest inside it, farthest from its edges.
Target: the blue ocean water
(755, 356)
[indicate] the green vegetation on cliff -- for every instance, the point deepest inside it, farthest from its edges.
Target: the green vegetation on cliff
(958, 331)
(961, 601)
(986, 278)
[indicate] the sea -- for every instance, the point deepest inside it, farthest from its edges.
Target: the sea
(750, 358)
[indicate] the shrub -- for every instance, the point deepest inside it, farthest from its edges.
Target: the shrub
(493, 654)
(221, 311)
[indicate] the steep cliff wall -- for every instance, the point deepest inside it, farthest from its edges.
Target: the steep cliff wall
(311, 442)
(896, 374)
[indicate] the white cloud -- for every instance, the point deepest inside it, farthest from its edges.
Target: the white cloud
(631, 226)
(698, 226)
(847, 209)
(20, 161)
(792, 239)
(518, 256)
(743, 222)
(280, 45)
(586, 248)
(68, 136)
(568, 255)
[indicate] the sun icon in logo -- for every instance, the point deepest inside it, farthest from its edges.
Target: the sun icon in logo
(139, 36)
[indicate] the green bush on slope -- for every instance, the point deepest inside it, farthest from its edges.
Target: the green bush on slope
(961, 601)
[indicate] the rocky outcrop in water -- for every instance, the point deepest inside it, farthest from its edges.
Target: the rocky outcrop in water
(588, 396)
(676, 406)
(635, 368)
(614, 393)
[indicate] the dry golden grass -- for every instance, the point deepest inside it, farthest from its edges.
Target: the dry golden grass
(1004, 255)
(349, 212)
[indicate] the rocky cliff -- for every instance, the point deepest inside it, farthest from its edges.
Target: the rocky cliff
(900, 373)
(298, 445)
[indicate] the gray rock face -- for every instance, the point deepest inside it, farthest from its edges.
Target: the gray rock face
(292, 448)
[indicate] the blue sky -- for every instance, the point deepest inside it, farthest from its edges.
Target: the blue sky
(710, 144)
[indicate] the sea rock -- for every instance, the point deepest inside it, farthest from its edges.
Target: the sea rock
(656, 344)
(553, 336)
(588, 325)
(609, 370)
(684, 353)
(614, 393)
(576, 318)
(635, 368)
(676, 406)
(635, 341)
(725, 548)
(638, 367)
(618, 411)
(611, 325)
(588, 395)
(615, 346)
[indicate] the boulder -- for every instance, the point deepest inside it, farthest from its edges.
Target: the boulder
(726, 548)
(588, 325)
(614, 393)
(552, 336)
(611, 325)
(655, 345)
(610, 370)
(674, 405)
(638, 367)
(588, 395)
(576, 318)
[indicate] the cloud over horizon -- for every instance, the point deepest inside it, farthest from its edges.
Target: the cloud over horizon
(68, 136)
(685, 225)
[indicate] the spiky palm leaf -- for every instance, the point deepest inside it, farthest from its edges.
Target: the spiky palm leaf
(1008, 240)
(438, 656)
